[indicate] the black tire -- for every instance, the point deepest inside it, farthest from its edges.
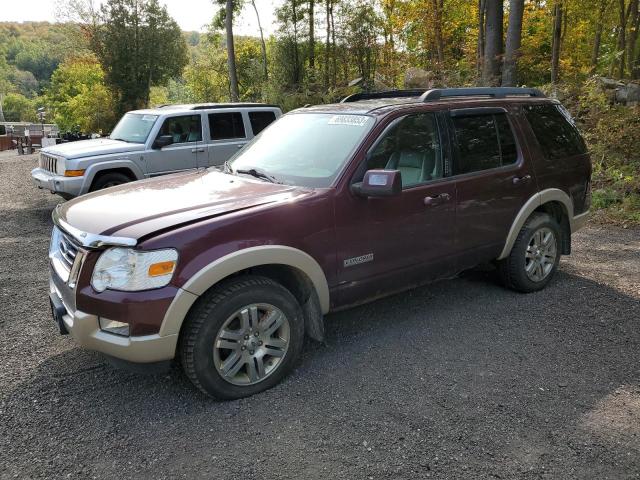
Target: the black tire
(107, 180)
(512, 269)
(208, 317)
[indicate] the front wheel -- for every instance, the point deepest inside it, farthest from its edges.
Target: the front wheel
(242, 338)
(108, 180)
(534, 257)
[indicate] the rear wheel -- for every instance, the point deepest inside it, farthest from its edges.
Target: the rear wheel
(242, 338)
(109, 180)
(534, 257)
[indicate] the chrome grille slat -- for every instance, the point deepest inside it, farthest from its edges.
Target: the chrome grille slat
(48, 162)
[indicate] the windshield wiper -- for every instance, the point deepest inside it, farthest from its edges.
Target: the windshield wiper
(121, 139)
(257, 173)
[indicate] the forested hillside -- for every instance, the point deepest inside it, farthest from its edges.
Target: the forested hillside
(131, 54)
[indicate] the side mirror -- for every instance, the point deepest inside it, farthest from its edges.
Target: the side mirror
(379, 183)
(162, 141)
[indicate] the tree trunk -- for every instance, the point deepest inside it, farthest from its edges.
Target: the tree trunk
(480, 52)
(556, 41)
(437, 6)
(597, 40)
(634, 20)
(333, 48)
(312, 37)
(493, 42)
(231, 53)
(514, 37)
(263, 46)
(622, 38)
(327, 44)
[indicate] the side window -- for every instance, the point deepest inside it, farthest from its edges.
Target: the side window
(411, 146)
(183, 129)
(227, 125)
(260, 120)
(483, 142)
(555, 132)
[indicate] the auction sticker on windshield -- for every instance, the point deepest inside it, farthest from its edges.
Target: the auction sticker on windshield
(149, 118)
(353, 120)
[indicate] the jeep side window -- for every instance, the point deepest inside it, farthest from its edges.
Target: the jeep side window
(556, 135)
(412, 146)
(260, 120)
(225, 126)
(483, 142)
(183, 129)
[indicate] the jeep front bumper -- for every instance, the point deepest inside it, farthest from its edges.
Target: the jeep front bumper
(69, 186)
(85, 330)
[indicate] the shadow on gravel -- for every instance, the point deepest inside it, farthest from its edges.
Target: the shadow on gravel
(506, 383)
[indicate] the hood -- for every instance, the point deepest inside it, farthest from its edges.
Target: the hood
(90, 148)
(138, 209)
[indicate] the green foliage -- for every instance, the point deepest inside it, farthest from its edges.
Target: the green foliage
(78, 97)
(139, 46)
(18, 108)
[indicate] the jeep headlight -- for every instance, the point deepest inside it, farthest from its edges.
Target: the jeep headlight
(132, 270)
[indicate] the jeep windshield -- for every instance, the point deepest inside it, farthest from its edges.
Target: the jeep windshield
(134, 127)
(305, 149)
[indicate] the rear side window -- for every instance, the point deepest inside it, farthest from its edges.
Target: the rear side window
(227, 125)
(555, 131)
(483, 142)
(260, 120)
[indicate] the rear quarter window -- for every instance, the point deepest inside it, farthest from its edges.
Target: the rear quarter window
(260, 120)
(554, 130)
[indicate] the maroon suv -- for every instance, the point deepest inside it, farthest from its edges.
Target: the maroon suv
(228, 269)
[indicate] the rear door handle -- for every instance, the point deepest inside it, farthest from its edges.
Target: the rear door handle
(436, 199)
(197, 150)
(524, 179)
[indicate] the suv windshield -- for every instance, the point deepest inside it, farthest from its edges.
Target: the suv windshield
(306, 149)
(134, 127)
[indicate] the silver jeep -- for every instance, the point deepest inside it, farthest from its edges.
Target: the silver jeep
(147, 143)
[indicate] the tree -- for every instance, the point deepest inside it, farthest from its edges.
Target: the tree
(493, 42)
(512, 50)
(18, 108)
(231, 52)
(556, 41)
(263, 45)
(597, 40)
(139, 46)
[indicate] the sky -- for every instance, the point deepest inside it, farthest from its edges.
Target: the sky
(190, 14)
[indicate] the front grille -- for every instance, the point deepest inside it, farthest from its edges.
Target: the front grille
(48, 162)
(62, 253)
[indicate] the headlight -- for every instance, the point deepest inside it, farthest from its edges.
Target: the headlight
(131, 270)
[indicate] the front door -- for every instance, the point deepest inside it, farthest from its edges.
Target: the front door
(227, 135)
(388, 244)
(183, 153)
(493, 181)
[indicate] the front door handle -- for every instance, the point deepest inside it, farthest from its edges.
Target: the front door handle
(197, 150)
(436, 199)
(523, 179)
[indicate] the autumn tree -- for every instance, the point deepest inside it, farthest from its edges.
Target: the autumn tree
(512, 49)
(493, 44)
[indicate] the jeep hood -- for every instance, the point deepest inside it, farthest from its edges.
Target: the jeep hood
(90, 148)
(137, 209)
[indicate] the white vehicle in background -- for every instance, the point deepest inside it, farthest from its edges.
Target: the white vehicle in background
(152, 142)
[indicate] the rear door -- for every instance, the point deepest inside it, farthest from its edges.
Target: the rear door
(228, 133)
(183, 153)
(493, 180)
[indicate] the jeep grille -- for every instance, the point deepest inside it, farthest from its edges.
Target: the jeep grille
(48, 162)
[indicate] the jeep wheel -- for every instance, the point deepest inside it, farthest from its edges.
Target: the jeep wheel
(242, 337)
(109, 180)
(534, 257)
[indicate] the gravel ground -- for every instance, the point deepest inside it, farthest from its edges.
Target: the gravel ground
(460, 379)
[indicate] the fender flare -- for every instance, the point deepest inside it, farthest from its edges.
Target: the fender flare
(235, 262)
(107, 165)
(540, 198)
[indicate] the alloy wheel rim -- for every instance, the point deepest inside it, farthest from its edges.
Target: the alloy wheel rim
(541, 253)
(251, 344)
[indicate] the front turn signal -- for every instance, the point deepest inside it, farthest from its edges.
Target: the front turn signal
(161, 268)
(73, 173)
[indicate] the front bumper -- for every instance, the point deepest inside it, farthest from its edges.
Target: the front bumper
(70, 186)
(85, 330)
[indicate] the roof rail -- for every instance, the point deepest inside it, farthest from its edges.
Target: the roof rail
(494, 92)
(386, 94)
(435, 94)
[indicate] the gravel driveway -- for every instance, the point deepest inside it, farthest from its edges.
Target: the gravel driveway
(460, 379)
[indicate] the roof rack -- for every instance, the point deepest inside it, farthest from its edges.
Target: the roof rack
(435, 94)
